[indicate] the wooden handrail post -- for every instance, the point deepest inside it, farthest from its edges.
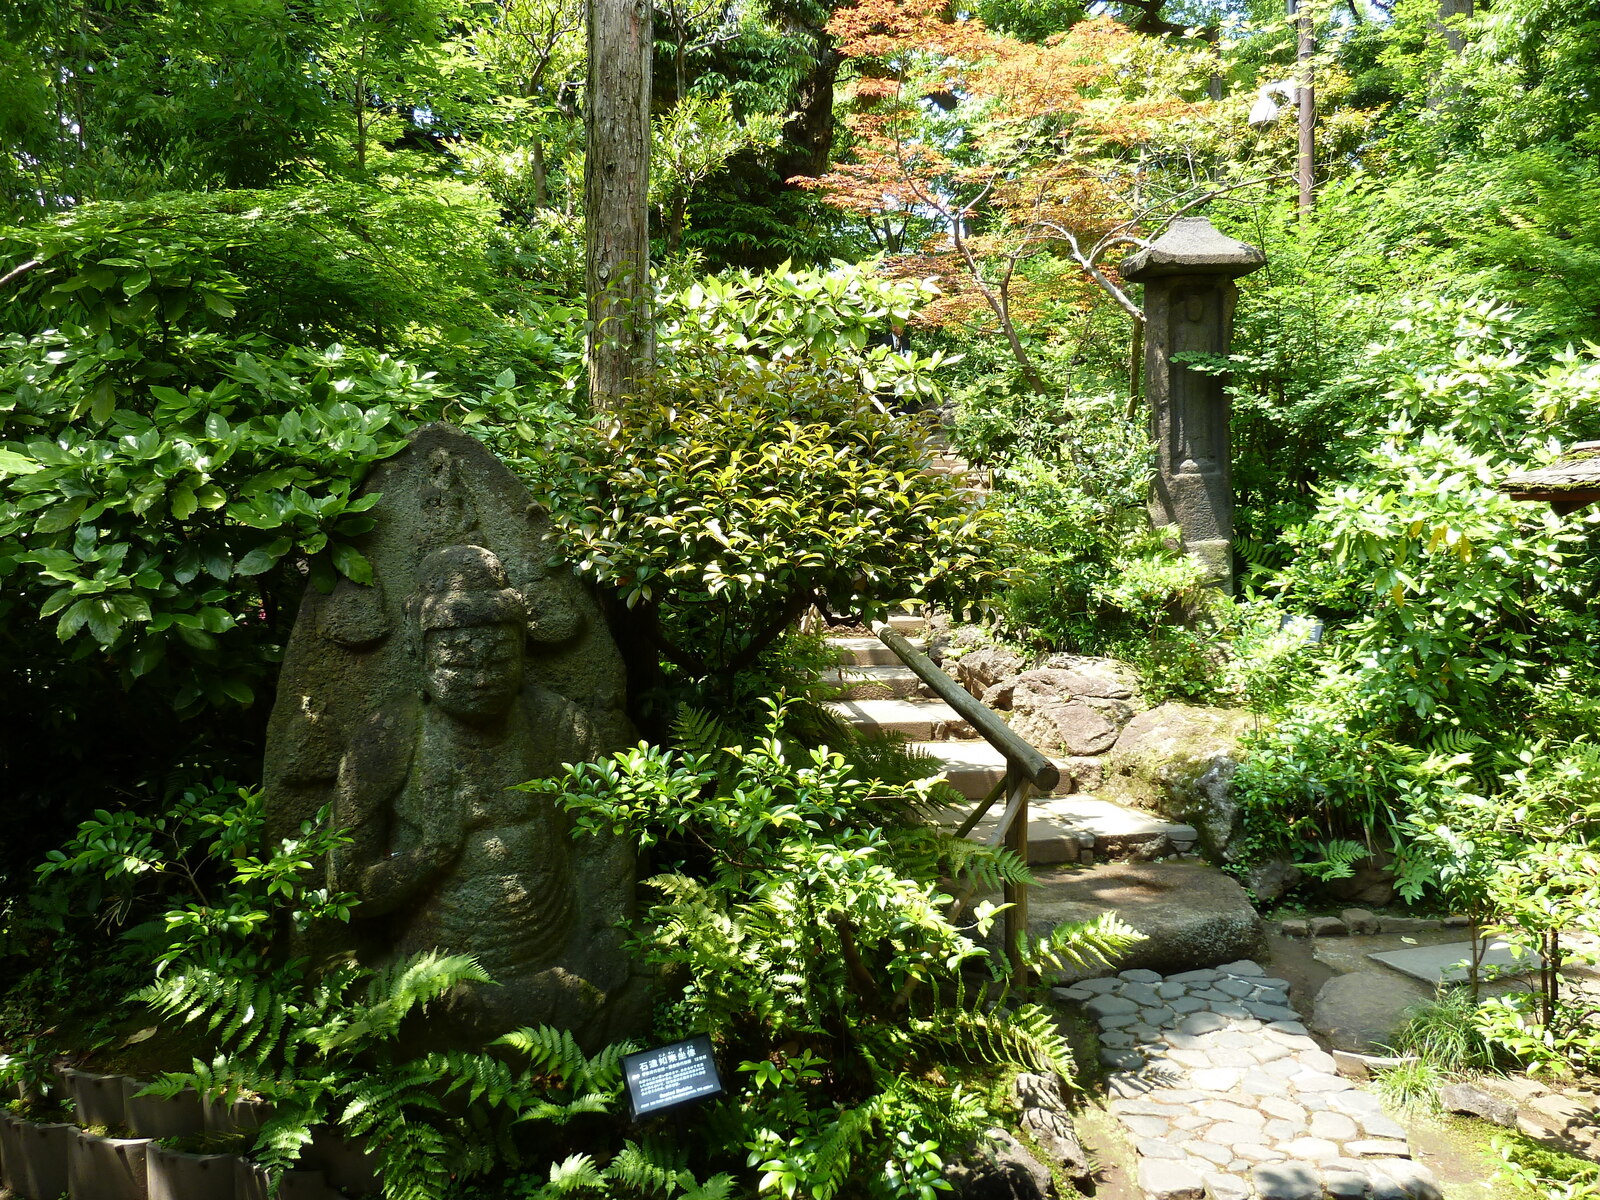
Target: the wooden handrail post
(1016, 894)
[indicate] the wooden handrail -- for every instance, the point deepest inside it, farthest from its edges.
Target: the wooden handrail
(1025, 766)
(1028, 762)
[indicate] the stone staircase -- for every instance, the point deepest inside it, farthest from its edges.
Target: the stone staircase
(875, 693)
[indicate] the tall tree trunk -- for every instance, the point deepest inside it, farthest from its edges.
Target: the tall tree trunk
(616, 199)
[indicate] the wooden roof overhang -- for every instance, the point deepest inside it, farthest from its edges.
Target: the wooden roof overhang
(1567, 484)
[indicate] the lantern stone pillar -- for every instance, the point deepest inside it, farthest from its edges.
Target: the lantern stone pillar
(1189, 298)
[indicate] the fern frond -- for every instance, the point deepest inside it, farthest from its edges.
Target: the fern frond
(1081, 945)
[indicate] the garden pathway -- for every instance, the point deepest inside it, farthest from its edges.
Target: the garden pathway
(1227, 1096)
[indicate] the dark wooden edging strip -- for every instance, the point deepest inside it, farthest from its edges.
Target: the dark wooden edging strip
(1032, 765)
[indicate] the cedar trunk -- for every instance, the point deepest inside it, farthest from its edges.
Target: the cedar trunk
(615, 194)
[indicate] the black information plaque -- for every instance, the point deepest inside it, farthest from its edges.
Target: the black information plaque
(671, 1075)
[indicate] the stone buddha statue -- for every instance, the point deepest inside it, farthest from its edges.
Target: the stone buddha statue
(409, 710)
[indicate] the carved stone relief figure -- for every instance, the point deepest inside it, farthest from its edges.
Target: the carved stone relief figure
(410, 710)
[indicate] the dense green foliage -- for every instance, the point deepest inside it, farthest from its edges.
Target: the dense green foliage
(249, 247)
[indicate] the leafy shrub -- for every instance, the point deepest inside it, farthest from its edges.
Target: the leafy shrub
(732, 498)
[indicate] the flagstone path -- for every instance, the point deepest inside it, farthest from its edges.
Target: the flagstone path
(1227, 1097)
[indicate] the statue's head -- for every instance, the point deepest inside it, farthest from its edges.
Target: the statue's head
(472, 627)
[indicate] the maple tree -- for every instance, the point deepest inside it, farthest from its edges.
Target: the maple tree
(988, 161)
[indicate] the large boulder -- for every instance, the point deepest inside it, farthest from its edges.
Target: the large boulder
(1180, 760)
(1193, 916)
(1062, 711)
(1000, 1169)
(980, 668)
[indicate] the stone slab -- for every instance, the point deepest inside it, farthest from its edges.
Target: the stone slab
(1192, 915)
(1446, 963)
(919, 720)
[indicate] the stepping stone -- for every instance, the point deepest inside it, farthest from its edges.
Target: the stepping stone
(1434, 965)
(1112, 825)
(1192, 915)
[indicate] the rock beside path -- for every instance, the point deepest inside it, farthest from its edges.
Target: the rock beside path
(1191, 915)
(1180, 760)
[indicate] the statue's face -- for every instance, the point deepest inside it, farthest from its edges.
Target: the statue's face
(473, 673)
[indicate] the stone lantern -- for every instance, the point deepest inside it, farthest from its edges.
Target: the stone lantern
(1189, 297)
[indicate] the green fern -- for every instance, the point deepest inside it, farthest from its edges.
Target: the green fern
(1080, 945)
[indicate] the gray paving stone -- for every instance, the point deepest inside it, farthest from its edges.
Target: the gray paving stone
(1335, 1127)
(1269, 1012)
(1260, 1154)
(1316, 1081)
(1186, 1004)
(1434, 965)
(1141, 993)
(1289, 1027)
(1244, 966)
(1104, 1006)
(1138, 975)
(1287, 1181)
(1161, 1179)
(1357, 1103)
(1259, 1083)
(1280, 1130)
(1120, 1020)
(1228, 1008)
(1210, 1151)
(1226, 1110)
(1201, 1022)
(1076, 992)
(1235, 1135)
(1344, 1185)
(1284, 1110)
(1099, 985)
(1216, 1079)
(1147, 1127)
(1160, 1148)
(1122, 1060)
(1203, 976)
(1378, 1125)
(1310, 1149)
(1168, 990)
(1117, 1039)
(1222, 1186)
(1416, 1180)
(1235, 987)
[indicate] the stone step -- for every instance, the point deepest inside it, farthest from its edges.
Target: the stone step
(973, 767)
(919, 720)
(1086, 829)
(875, 683)
(909, 624)
(868, 651)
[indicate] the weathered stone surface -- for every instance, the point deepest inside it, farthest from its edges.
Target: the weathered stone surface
(1099, 678)
(409, 707)
(1360, 921)
(1192, 915)
(1046, 1119)
(1272, 880)
(1371, 882)
(1328, 927)
(1189, 300)
(1056, 728)
(1415, 1180)
(1477, 1101)
(1287, 1181)
(1165, 1179)
(1180, 760)
(980, 669)
(1001, 1169)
